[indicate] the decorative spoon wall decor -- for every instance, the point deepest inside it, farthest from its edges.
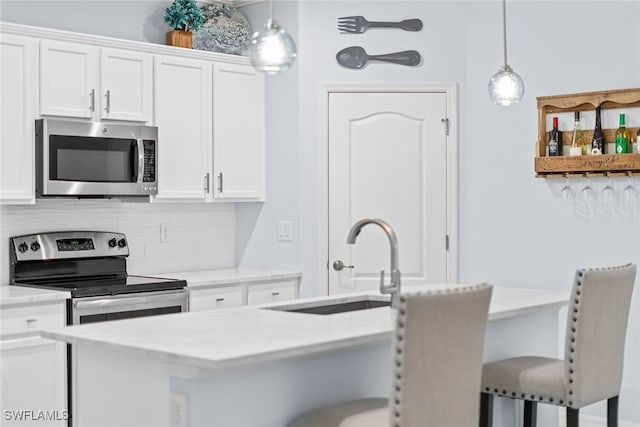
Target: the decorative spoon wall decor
(356, 57)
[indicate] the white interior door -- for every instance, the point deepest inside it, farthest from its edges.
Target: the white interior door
(387, 160)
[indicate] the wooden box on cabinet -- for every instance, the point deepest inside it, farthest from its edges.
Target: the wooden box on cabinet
(605, 164)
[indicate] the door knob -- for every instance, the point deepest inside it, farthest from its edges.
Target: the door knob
(339, 265)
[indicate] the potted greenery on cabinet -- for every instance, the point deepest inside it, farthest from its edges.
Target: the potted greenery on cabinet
(184, 16)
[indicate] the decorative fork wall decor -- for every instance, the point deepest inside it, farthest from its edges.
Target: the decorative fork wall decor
(359, 24)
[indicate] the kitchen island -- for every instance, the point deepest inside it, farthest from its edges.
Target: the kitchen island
(258, 366)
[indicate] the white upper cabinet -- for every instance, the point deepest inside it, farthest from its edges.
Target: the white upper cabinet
(182, 90)
(18, 89)
(83, 81)
(238, 132)
(126, 84)
(68, 79)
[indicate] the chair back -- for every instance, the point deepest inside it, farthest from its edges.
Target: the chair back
(439, 343)
(596, 329)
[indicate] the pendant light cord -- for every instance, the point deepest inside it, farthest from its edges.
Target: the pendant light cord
(270, 10)
(504, 30)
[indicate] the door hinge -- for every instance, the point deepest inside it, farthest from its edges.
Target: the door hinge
(446, 126)
(446, 241)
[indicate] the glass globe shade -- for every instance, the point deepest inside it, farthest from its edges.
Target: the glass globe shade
(272, 50)
(506, 87)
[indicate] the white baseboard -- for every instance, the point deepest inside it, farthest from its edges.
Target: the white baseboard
(592, 421)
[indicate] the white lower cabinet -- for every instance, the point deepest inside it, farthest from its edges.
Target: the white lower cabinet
(242, 293)
(259, 293)
(214, 298)
(33, 370)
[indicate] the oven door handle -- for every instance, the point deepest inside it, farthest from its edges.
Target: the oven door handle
(122, 301)
(140, 160)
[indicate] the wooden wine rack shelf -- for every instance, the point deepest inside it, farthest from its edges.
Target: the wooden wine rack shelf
(598, 165)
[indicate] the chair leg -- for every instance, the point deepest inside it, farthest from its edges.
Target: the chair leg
(486, 410)
(612, 412)
(530, 413)
(573, 417)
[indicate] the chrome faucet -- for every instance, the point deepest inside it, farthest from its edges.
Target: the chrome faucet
(394, 287)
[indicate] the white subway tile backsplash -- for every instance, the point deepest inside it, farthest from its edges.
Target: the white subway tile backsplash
(154, 266)
(227, 260)
(200, 236)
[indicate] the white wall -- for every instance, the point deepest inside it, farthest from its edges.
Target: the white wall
(256, 227)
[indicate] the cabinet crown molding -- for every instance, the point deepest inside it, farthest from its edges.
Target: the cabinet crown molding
(111, 42)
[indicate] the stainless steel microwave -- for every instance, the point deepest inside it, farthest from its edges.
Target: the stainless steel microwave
(90, 159)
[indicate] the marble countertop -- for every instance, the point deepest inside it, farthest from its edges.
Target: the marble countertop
(12, 295)
(236, 336)
(210, 278)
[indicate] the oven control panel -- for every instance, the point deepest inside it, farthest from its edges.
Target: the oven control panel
(64, 245)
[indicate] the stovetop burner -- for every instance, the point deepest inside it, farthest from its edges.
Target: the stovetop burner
(87, 263)
(108, 286)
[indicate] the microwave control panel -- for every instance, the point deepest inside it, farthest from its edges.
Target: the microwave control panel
(149, 174)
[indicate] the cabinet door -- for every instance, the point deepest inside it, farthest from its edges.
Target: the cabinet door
(182, 89)
(260, 293)
(33, 375)
(214, 298)
(18, 86)
(125, 85)
(238, 132)
(68, 79)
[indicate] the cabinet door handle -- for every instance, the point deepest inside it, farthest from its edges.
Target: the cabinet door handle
(275, 294)
(92, 94)
(206, 183)
(108, 103)
(220, 182)
(219, 299)
(31, 320)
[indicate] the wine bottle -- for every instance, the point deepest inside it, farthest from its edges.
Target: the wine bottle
(598, 144)
(578, 147)
(623, 136)
(555, 140)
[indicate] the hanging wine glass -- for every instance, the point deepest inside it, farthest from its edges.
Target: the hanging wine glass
(629, 198)
(607, 194)
(606, 200)
(589, 194)
(568, 194)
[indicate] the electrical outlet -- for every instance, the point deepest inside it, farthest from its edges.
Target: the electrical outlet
(178, 407)
(164, 232)
(285, 229)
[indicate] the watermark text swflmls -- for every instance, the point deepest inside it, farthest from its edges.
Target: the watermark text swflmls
(35, 415)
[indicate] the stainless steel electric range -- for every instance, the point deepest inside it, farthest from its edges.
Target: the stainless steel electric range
(91, 265)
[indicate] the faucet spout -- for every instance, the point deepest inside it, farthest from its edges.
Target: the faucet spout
(394, 287)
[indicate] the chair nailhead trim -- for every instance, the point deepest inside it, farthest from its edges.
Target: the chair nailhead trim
(401, 323)
(523, 396)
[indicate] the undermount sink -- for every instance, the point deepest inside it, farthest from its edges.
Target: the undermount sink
(333, 307)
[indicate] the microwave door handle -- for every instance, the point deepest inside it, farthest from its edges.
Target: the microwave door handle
(140, 160)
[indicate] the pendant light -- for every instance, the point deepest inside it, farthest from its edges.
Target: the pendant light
(505, 87)
(272, 50)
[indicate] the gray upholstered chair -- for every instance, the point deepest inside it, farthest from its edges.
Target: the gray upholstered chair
(594, 351)
(437, 362)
